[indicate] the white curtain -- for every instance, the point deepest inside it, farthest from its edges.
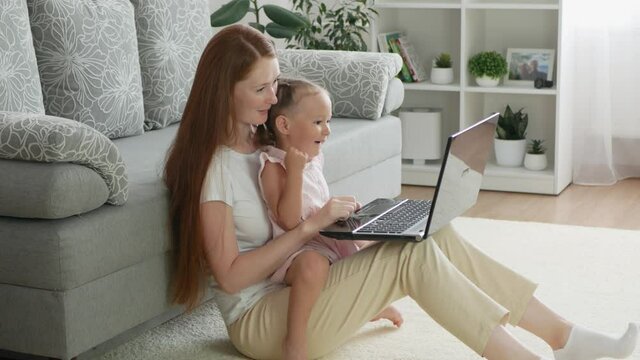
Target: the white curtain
(603, 44)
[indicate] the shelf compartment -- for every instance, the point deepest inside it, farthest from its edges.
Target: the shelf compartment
(429, 86)
(497, 178)
(418, 4)
(513, 4)
(511, 90)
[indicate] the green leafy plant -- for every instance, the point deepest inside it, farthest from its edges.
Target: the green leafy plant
(512, 126)
(535, 147)
(443, 61)
(340, 27)
(285, 23)
(488, 63)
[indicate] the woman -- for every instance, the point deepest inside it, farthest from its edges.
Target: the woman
(221, 229)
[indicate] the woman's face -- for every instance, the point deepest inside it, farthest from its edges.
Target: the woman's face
(254, 95)
(309, 123)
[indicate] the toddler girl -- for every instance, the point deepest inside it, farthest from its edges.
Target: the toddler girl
(294, 188)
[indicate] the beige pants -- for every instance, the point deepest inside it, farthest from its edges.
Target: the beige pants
(461, 288)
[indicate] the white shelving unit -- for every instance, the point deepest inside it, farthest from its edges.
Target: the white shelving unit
(464, 28)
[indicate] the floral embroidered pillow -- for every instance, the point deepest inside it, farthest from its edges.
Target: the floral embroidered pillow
(87, 55)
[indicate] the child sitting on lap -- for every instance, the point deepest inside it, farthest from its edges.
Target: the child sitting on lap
(294, 188)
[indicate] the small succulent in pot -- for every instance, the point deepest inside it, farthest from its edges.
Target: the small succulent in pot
(443, 61)
(442, 71)
(536, 147)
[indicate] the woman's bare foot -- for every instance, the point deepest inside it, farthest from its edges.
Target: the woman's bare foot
(392, 314)
(294, 349)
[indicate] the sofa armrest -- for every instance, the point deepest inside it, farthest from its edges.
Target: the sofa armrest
(359, 82)
(43, 138)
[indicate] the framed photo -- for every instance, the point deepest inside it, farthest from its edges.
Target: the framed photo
(527, 65)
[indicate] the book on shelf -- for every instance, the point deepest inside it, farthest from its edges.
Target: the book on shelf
(397, 41)
(405, 73)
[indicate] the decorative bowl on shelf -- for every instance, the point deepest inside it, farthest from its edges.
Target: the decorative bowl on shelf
(486, 81)
(441, 76)
(535, 162)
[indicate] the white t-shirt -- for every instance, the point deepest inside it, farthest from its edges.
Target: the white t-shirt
(232, 178)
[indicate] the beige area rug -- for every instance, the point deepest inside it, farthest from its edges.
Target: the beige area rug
(590, 275)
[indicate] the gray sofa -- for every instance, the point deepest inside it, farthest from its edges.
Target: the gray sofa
(86, 255)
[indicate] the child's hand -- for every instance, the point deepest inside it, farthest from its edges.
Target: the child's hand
(338, 207)
(295, 160)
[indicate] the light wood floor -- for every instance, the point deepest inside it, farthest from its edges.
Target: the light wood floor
(616, 206)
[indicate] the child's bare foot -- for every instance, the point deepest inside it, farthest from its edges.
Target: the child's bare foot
(392, 314)
(294, 349)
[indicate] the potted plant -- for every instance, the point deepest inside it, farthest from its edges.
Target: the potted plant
(536, 157)
(510, 143)
(311, 25)
(488, 67)
(334, 25)
(285, 24)
(441, 71)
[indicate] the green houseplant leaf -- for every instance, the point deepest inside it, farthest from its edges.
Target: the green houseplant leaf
(280, 32)
(284, 17)
(257, 26)
(230, 13)
(512, 126)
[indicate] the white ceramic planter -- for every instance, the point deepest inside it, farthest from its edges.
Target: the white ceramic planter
(487, 81)
(441, 76)
(535, 161)
(510, 152)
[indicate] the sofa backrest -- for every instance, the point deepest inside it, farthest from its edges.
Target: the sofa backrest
(19, 79)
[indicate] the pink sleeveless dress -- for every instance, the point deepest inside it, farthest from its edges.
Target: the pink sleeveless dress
(315, 193)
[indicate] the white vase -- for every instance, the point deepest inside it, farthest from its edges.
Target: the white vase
(487, 81)
(441, 76)
(535, 161)
(510, 152)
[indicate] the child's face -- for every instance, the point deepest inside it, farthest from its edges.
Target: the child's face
(309, 123)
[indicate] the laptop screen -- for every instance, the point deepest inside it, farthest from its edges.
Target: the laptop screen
(461, 174)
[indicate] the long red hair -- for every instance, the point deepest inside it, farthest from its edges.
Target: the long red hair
(207, 123)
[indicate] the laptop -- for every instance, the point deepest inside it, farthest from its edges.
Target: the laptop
(459, 181)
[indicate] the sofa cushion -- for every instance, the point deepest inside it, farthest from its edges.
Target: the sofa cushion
(67, 253)
(171, 37)
(357, 81)
(19, 81)
(44, 138)
(88, 61)
(355, 145)
(49, 190)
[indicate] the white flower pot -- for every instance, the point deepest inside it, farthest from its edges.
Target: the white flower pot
(535, 161)
(510, 152)
(487, 81)
(441, 76)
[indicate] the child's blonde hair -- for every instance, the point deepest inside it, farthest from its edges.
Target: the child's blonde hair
(290, 92)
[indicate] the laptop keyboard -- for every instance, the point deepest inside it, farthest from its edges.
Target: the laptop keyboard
(399, 219)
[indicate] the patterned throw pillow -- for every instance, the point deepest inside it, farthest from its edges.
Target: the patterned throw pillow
(171, 37)
(88, 60)
(34, 137)
(357, 81)
(19, 80)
